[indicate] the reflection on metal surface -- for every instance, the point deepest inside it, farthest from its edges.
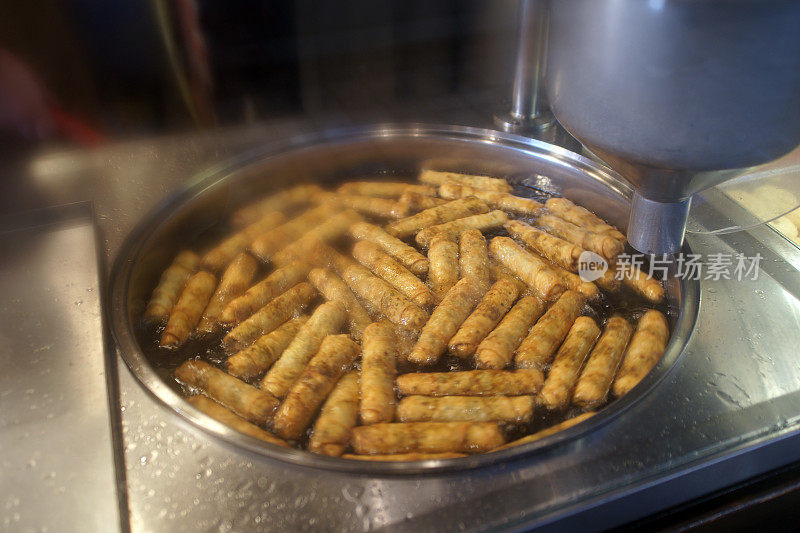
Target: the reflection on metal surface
(57, 465)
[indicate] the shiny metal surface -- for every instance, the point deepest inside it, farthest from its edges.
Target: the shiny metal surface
(727, 411)
(57, 451)
(673, 94)
(661, 225)
(396, 149)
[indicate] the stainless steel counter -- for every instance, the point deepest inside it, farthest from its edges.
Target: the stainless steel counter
(727, 411)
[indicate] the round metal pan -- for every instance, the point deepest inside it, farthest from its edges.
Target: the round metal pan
(391, 149)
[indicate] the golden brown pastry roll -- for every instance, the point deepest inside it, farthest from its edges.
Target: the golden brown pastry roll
(269, 317)
(263, 292)
(497, 349)
(483, 222)
(561, 252)
(427, 437)
(378, 370)
(580, 216)
(472, 383)
(442, 265)
(599, 243)
(534, 271)
(231, 419)
(369, 205)
(488, 313)
(608, 281)
(260, 355)
(385, 189)
(395, 274)
(394, 457)
(509, 409)
(445, 320)
(326, 320)
(333, 288)
(268, 243)
(279, 201)
(235, 280)
(339, 415)
(169, 286)
(407, 255)
(335, 357)
(496, 200)
(646, 348)
(385, 298)
(499, 272)
(473, 258)
(597, 375)
(188, 309)
(574, 282)
(552, 430)
(327, 231)
(644, 284)
(538, 348)
(436, 215)
(415, 202)
(245, 400)
(557, 390)
(435, 177)
(221, 255)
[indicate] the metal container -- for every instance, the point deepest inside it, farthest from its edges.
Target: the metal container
(389, 150)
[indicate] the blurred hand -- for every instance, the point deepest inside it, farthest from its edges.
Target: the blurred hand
(23, 100)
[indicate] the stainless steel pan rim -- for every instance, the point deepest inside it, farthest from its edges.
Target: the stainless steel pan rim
(122, 328)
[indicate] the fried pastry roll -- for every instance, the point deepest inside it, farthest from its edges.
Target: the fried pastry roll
(497, 349)
(608, 281)
(235, 280)
(473, 258)
(482, 222)
(552, 430)
(334, 289)
(260, 355)
(495, 200)
(647, 346)
(266, 244)
(385, 189)
(245, 400)
(407, 255)
(442, 265)
(580, 216)
(231, 419)
(335, 356)
(538, 348)
(534, 271)
(326, 320)
(301, 194)
(414, 202)
(339, 415)
(427, 437)
(395, 274)
(188, 309)
(472, 383)
(221, 255)
(597, 375)
(562, 253)
(643, 283)
(508, 409)
(369, 205)
(435, 177)
(269, 317)
(499, 272)
(405, 456)
(566, 367)
(437, 215)
(169, 286)
(263, 292)
(488, 313)
(445, 320)
(575, 283)
(329, 230)
(599, 243)
(384, 298)
(378, 370)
